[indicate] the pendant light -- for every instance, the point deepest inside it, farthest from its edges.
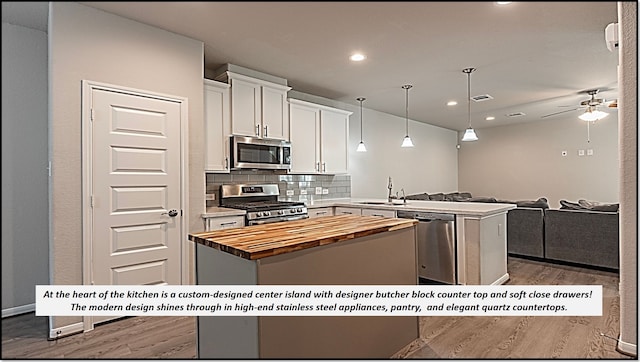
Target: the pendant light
(469, 133)
(361, 147)
(407, 140)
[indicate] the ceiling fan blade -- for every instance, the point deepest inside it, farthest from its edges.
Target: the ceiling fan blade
(556, 113)
(612, 103)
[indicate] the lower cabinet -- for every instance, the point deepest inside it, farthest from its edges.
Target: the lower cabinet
(378, 212)
(321, 211)
(342, 210)
(223, 222)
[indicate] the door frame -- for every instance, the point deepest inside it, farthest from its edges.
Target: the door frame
(88, 87)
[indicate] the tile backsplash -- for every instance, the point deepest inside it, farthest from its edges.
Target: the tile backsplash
(303, 187)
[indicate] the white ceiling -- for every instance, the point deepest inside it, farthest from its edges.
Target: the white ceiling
(531, 57)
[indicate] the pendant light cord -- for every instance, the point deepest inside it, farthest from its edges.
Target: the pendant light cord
(360, 99)
(406, 109)
(469, 71)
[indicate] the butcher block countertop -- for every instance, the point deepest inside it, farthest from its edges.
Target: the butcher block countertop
(260, 241)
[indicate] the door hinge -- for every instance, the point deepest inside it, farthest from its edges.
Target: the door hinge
(91, 201)
(180, 212)
(92, 114)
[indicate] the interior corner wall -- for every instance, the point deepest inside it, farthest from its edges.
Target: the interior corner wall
(525, 161)
(89, 44)
(628, 83)
(25, 239)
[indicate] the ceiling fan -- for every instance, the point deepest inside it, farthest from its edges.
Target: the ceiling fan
(590, 105)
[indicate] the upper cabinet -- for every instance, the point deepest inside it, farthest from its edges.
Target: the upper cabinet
(217, 125)
(258, 108)
(319, 138)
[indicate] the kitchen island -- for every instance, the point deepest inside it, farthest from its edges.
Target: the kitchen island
(331, 250)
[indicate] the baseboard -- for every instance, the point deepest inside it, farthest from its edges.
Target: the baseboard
(503, 279)
(19, 310)
(66, 330)
(627, 348)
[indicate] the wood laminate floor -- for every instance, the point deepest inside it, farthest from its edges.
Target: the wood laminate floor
(25, 336)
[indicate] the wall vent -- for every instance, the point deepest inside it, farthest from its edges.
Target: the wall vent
(515, 114)
(482, 97)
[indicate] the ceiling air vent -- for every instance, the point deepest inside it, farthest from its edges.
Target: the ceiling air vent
(482, 97)
(515, 114)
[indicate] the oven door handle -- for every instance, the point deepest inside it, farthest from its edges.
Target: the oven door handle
(279, 219)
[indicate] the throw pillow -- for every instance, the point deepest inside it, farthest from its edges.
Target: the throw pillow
(541, 203)
(461, 198)
(450, 196)
(564, 204)
(482, 199)
(598, 206)
(422, 196)
(437, 197)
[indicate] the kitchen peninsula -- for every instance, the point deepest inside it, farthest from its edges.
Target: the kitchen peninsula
(331, 250)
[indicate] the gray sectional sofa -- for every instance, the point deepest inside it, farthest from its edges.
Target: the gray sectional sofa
(584, 233)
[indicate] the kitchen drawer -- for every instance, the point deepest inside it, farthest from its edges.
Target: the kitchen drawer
(342, 210)
(379, 212)
(321, 211)
(223, 222)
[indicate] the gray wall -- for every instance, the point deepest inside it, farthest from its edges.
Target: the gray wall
(25, 239)
(89, 44)
(525, 162)
(628, 75)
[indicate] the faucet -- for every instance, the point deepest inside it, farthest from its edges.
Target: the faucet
(404, 197)
(389, 186)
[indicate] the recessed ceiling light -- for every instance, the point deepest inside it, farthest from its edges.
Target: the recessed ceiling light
(503, 2)
(490, 118)
(358, 57)
(452, 103)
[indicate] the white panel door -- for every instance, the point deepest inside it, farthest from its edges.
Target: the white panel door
(136, 188)
(305, 145)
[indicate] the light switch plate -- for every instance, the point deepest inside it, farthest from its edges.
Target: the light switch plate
(580, 152)
(303, 192)
(289, 192)
(325, 191)
(318, 190)
(590, 152)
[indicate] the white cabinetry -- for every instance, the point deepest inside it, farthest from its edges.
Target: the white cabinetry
(223, 222)
(379, 212)
(258, 108)
(343, 210)
(319, 138)
(321, 211)
(217, 125)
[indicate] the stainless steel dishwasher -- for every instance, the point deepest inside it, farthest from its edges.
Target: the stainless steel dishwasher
(436, 245)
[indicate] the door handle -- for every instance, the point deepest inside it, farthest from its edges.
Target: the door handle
(172, 213)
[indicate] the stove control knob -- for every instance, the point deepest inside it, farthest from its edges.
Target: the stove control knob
(299, 209)
(280, 212)
(267, 213)
(292, 211)
(258, 214)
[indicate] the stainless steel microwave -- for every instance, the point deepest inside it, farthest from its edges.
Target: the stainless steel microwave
(259, 153)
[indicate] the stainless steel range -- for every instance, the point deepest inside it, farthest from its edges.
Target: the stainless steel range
(261, 203)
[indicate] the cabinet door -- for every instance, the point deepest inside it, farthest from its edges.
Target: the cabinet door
(224, 222)
(245, 108)
(334, 141)
(341, 210)
(275, 113)
(378, 212)
(217, 125)
(305, 146)
(319, 212)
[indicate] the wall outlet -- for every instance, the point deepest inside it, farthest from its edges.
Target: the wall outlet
(318, 190)
(289, 192)
(325, 191)
(580, 152)
(303, 192)
(590, 152)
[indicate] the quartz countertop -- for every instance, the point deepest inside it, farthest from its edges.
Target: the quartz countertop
(259, 241)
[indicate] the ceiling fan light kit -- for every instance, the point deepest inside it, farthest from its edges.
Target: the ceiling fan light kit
(469, 133)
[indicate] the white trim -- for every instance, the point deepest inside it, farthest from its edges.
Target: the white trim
(87, 90)
(627, 348)
(503, 279)
(66, 330)
(21, 309)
